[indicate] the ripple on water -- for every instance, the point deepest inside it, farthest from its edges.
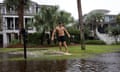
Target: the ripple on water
(102, 63)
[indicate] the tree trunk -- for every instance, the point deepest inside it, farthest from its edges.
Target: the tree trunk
(43, 37)
(94, 30)
(0, 22)
(20, 18)
(81, 24)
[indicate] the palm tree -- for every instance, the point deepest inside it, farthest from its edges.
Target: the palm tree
(48, 17)
(64, 17)
(81, 24)
(45, 20)
(118, 19)
(115, 30)
(95, 19)
(19, 6)
(0, 22)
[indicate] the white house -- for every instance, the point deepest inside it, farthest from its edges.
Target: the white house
(9, 23)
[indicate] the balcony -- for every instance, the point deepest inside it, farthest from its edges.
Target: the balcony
(28, 12)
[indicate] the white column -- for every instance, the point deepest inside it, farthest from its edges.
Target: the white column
(5, 41)
(13, 23)
(24, 22)
(5, 10)
(6, 24)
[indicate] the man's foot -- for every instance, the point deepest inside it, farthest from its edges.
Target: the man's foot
(67, 53)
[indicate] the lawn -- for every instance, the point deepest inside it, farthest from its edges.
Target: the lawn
(91, 51)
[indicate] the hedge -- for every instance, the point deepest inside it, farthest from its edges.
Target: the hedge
(97, 42)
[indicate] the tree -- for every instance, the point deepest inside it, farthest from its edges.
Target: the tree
(19, 6)
(118, 19)
(64, 17)
(45, 20)
(0, 22)
(115, 30)
(95, 20)
(48, 17)
(81, 24)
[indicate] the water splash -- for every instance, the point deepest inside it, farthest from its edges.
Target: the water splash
(41, 53)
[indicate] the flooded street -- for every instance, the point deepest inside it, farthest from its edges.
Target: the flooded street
(103, 63)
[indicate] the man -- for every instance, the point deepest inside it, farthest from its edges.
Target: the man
(61, 30)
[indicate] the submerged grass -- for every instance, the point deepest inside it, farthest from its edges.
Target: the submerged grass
(91, 50)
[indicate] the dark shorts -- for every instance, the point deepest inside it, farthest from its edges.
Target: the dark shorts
(61, 38)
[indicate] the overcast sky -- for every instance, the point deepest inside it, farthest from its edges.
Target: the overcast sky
(87, 5)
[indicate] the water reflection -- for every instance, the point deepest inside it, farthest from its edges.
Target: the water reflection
(33, 66)
(47, 66)
(6, 56)
(104, 63)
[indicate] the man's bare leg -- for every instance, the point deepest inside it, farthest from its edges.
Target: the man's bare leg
(65, 45)
(60, 46)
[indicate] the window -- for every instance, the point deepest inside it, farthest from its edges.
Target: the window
(9, 23)
(28, 23)
(16, 24)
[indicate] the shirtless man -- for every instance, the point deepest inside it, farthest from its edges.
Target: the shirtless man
(60, 29)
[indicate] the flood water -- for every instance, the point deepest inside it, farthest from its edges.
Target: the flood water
(103, 63)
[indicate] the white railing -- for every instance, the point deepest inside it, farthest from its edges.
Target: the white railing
(106, 37)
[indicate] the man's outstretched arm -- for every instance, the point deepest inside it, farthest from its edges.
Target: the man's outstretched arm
(67, 33)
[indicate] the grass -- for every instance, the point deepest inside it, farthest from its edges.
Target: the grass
(91, 50)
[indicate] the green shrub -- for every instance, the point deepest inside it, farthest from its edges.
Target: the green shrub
(96, 42)
(118, 43)
(14, 41)
(34, 38)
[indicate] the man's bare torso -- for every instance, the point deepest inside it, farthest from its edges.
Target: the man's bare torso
(60, 30)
